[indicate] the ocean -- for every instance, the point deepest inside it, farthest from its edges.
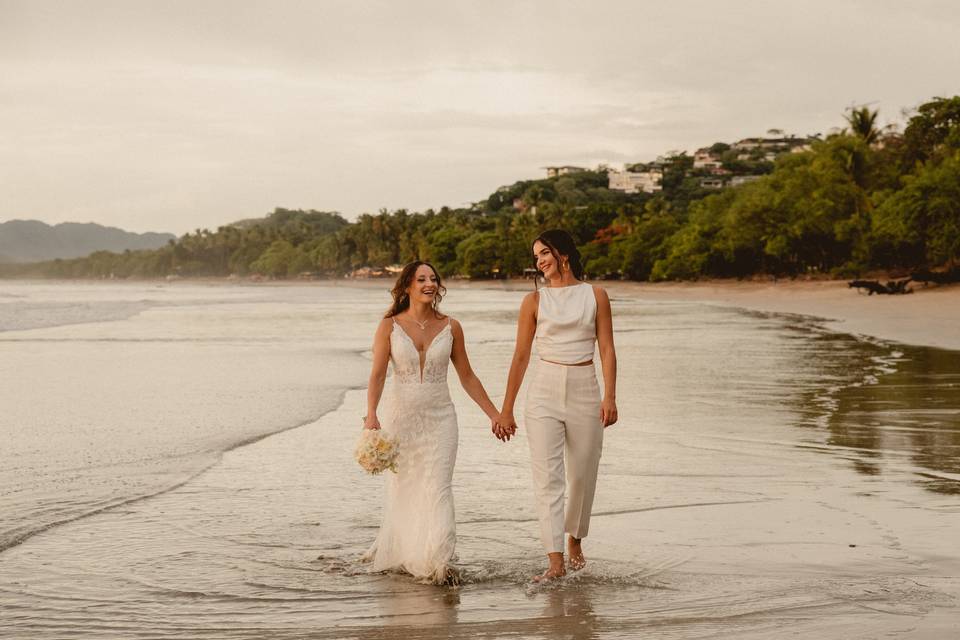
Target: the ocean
(177, 463)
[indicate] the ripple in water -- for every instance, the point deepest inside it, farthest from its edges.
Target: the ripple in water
(730, 499)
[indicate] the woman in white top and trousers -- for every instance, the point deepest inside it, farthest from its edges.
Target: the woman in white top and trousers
(565, 415)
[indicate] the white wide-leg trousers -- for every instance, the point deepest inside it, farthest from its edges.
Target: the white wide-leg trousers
(564, 431)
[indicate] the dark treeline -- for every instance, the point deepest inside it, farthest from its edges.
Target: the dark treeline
(858, 200)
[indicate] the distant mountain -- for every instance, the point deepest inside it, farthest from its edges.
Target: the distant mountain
(33, 241)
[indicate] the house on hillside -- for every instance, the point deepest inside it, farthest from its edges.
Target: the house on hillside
(647, 181)
(736, 181)
(711, 183)
(704, 160)
(553, 172)
(772, 144)
(748, 144)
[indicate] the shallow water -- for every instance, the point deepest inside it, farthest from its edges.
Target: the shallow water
(121, 391)
(767, 476)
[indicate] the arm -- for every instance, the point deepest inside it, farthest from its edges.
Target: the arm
(608, 357)
(378, 372)
(526, 329)
(471, 383)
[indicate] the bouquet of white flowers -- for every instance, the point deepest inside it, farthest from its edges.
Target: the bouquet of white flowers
(377, 452)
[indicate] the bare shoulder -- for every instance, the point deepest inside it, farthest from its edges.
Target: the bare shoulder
(385, 325)
(531, 300)
(456, 331)
(600, 293)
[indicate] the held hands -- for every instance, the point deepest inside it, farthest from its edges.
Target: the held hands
(608, 412)
(371, 422)
(504, 426)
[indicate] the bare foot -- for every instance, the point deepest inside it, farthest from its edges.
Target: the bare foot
(554, 571)
(550, 574)
(577, 561)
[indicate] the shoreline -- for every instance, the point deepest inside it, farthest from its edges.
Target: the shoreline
(925, 318)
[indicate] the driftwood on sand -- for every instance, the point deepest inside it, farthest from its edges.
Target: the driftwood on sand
(891, 287)
(924, 276)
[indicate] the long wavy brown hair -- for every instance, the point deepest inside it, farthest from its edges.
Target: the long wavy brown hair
(401, 300)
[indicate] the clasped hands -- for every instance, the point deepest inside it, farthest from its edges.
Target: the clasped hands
(504, 426)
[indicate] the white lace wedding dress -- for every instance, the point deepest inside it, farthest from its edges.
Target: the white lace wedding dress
(418, 533)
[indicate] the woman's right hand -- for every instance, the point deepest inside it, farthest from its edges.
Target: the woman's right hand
(507, 424)
(371, 422)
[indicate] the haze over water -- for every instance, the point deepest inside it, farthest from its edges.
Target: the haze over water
(766, 475)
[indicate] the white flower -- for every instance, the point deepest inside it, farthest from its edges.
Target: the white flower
(376, 452)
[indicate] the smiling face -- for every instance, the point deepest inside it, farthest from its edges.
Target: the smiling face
(547, 263)
(423, 288)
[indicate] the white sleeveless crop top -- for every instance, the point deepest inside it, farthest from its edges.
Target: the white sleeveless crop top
(567, 324)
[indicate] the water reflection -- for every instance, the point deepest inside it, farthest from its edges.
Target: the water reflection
(400, 601)
(890, 410)
(568, 613)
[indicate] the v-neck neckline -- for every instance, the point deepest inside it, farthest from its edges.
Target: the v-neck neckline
(422, 362)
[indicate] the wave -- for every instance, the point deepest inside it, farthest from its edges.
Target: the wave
(18, 535)
(12, 538)
(43, 315)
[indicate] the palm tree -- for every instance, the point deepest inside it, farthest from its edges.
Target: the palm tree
(863, 123)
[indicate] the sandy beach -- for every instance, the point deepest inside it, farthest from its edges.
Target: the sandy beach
(928, 317)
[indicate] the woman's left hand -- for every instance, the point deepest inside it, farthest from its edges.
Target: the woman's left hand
(608, 412)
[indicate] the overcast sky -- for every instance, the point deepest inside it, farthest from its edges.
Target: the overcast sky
(168, 116)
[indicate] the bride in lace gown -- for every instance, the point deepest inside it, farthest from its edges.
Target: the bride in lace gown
(418, 532)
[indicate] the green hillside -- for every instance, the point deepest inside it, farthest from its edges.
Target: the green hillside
(850, 202)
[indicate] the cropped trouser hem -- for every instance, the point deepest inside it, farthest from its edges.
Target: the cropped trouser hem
(565, 435)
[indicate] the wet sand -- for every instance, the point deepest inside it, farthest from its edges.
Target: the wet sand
(928, 317)
(770, 477)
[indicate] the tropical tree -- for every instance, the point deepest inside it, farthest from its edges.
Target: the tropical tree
(935, 125)
(863, 123)
(919, 225)
(480, 255)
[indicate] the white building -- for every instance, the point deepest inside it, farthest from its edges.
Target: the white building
(736, 181)
(762, 143)
(771, 144)
(635, 181)
(711, 183)
(705, 160)
(553, 172)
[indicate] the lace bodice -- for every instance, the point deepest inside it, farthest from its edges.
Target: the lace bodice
(406, 358)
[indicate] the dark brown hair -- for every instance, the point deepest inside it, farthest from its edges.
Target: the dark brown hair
(401, 300)
(561, 243)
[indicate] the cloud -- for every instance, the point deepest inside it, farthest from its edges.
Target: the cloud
(173, 115)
